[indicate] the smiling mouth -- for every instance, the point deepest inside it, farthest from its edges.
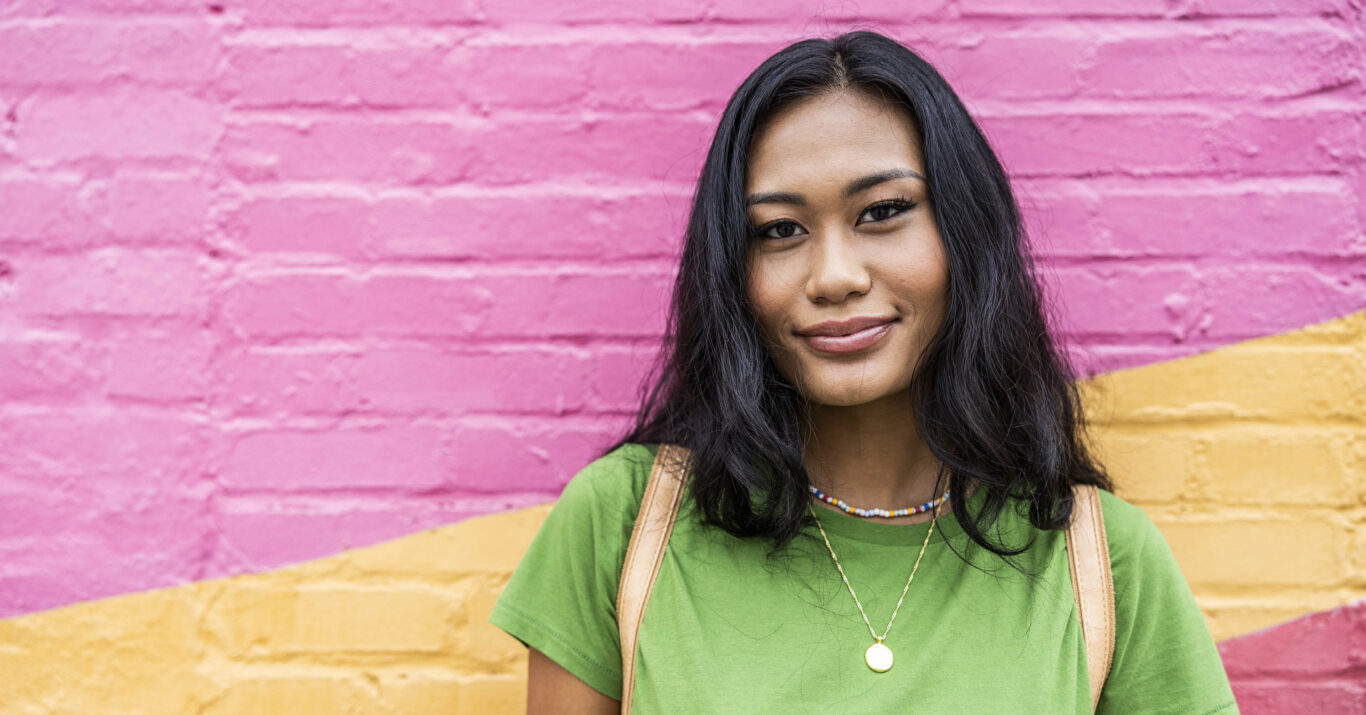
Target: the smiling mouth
(852, 343)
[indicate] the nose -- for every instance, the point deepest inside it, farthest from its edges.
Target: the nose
(837, 270)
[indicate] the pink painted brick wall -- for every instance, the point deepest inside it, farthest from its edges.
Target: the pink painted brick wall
(279, 279)
(1315, 664)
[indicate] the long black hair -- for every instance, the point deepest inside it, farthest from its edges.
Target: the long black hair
(994, 398)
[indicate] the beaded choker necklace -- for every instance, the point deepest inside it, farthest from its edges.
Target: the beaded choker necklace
(878, 512)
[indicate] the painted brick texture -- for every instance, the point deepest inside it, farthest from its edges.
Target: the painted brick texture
(280, 279)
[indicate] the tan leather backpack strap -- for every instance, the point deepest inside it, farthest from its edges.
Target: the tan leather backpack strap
(649, 537)
(1088, 557)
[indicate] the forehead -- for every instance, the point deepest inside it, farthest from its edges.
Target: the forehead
(821, 137)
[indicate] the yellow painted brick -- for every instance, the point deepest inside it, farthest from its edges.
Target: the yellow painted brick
(271, 620)
(1283, 384)
(494, 696)
(1356, 556)
(485, 648)
(1257, 552)
(1145, 466)
(1356, 465)
(1279, 466)
(363, 691)
(1231, 620)
(487, 544)
(298, 693)
(421, 691)
(133, 653)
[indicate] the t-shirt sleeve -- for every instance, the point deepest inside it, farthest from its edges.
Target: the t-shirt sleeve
(1165, 658)
(561, 599)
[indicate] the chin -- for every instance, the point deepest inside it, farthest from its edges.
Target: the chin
(847, 383)
(842, 400)
(847, 393)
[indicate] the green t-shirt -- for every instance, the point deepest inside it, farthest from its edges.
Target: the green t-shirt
(727, 630)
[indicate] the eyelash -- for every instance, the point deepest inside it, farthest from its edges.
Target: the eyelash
(901, 202)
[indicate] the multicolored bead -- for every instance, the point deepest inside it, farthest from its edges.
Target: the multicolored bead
(878, 512)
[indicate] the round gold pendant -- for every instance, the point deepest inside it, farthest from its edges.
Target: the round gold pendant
(879, 657)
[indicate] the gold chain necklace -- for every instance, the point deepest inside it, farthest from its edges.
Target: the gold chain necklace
(878, 656)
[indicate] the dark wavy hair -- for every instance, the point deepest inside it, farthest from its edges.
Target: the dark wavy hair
(994, 398)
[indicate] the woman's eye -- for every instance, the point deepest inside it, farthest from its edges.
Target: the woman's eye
(879, 212)
(784, 229)
(888, 209)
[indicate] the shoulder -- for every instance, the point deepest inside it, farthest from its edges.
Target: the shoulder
(1165, 657)
(561, 600)
(1127, 527)
(1139, 552)
(612, 484)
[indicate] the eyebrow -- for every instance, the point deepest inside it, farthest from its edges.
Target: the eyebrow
(862, 183)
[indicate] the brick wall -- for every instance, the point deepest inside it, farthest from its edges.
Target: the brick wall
(280, 279)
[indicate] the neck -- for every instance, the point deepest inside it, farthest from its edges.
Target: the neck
(871, 456)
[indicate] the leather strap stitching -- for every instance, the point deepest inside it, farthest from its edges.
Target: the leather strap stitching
(649, 538)
(1092, 584)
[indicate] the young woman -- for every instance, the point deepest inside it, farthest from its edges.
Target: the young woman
(856, 320)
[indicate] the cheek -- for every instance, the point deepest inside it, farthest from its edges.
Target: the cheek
(933, 289)
(764, 303)
(925, 268)
(918, 277)
(928, 282)
(770, 299)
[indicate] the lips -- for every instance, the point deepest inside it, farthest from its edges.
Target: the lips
(849, 336)
(849, 326)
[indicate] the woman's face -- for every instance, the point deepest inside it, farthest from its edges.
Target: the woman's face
(843, 231)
